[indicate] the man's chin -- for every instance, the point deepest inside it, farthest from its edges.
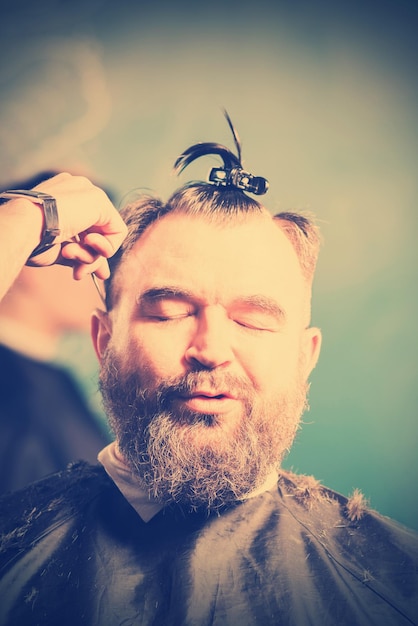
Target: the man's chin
(203, 428)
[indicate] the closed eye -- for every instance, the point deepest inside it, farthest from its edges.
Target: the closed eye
(259, 325)
(164, 306)
(165, 312)
(258, 313)
(167, 318)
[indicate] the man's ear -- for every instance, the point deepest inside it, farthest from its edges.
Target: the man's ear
(100, 332)
(312, 348)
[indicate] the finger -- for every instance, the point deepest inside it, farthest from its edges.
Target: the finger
(83, 261)
(113, 229)
(100, 243)
(100, 268)
(79, 253)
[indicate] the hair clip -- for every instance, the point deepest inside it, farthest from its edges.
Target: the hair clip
(237, 177)
(232, 173)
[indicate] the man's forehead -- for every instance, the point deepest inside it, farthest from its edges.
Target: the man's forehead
(180, 228)
(246, 253)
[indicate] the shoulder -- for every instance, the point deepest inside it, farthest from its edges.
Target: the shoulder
(24, 514)
(377, 551)
(317, 506)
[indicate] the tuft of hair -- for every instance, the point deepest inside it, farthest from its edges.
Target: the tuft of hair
(304, 235)
(210, 201)
(203, 149)
(308, 490)
(367, 576)
(357, 506)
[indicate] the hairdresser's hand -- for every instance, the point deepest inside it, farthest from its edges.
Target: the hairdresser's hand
(91, 228)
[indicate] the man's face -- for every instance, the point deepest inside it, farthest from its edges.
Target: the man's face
(205, 356)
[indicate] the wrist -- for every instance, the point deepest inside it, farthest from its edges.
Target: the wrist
(22, 203)
(27, 218)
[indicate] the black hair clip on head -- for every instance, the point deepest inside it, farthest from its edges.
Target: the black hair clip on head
(232, 173)
(240, 179)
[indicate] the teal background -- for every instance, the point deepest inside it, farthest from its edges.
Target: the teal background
(324, 96)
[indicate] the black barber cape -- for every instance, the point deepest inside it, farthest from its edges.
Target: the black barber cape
(74, 552)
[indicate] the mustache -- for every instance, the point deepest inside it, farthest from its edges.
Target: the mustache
(130, 390)
(216, 383)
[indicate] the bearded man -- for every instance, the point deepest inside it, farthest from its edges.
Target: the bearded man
(205, 349)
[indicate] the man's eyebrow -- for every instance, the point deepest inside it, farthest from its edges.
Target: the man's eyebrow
(264, 303)
(161, 293)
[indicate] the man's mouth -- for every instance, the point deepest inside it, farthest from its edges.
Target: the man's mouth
(203, 401)
(209, 394)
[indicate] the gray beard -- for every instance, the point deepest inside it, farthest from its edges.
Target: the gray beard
(156, 439)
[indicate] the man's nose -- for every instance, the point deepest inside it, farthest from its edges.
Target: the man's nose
(210, 345)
